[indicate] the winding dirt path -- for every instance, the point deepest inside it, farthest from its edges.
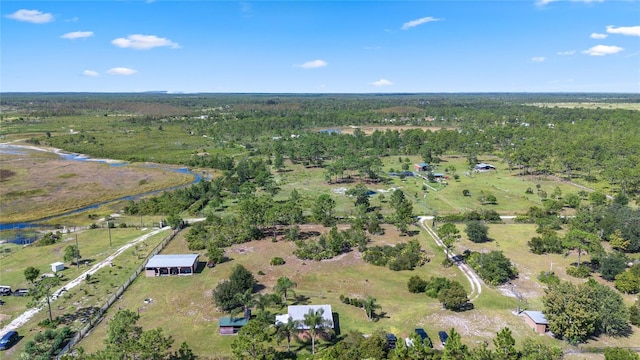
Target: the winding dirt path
(474, 279)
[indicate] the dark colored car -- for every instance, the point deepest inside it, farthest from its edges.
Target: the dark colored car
(8, 340)
(20, 292)
(5, 290)
(391, 341)
(443, 337)
(424, 337)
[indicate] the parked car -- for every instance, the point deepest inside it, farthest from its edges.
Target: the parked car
(20, 292)
(443, 337)
(391, 341)
(5, 290)
(8, 340)
(426, 340)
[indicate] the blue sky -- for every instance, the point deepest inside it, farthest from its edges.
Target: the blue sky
(321, 46)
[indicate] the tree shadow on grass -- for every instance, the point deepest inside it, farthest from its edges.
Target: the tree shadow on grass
(301, 300)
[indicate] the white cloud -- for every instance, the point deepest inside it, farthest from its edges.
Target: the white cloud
(601, 50)
(90, 73)
(32, 16)
(624, 30)
(382, 82)
(538, 59)
(143, 42)
(121, 71)
(314, 64)
(565, 53)
(77, 35)
(598, 36)
(413, 23)
(545, 2)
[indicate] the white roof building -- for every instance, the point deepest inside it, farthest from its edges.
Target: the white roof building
(297, 312)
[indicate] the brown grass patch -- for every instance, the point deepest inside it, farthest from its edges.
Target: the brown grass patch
(36, 186)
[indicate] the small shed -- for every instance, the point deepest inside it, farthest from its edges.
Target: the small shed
(174, 264)
(231, 325)
(484, 167)
(537, 321)
(57, 266)
(421, 167)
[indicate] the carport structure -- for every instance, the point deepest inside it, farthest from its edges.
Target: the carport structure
(174, 264)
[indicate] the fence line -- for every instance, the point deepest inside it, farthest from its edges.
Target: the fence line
(96, 318)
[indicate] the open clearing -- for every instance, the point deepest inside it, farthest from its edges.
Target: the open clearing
(37, 184)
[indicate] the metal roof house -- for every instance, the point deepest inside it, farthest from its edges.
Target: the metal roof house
(484, 167)
(536, 320)
(297, 312)
(175, 264)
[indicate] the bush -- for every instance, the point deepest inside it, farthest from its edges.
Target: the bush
(477, 231)
(492, 267)
(579, 272)
(416, 284)
(548, 277)
(466, 192)
(277, 261)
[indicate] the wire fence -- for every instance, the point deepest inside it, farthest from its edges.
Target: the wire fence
(98, 316)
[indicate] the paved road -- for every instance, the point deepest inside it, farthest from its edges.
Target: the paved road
(30, 313)
(474, 279)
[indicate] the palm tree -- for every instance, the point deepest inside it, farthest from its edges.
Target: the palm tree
(287, 330)
(283, 287)
(316, 323)
(261, 301)
(369, 306)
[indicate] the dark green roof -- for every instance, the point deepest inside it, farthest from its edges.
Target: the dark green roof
(235, 321)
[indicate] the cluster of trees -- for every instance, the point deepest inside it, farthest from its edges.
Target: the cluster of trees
(126, 340)
(368, 304)
(47, 344)
(331, 244)
(402, 256)
(235, 292)
(578, 312)
(449, 292)
(493, 267)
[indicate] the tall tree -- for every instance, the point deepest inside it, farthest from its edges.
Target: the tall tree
(71, 253)
(505, 345)
(251, 342)
(31, 274)
(323, 210)
(448, 233)
(283, 287)
(454, 349)
(287, 330)
(369, 305)
(316, 323)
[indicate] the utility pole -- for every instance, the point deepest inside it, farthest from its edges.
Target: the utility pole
(77, 253)
(109, 228)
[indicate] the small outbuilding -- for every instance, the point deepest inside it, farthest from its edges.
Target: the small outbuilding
(421, 167)
(174, 264)
(57, 266)
(231, 325)
(536, 320)
(484, 167)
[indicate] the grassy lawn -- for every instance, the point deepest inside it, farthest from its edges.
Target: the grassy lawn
(195, 317)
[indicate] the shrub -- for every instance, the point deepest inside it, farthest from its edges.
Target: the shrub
(277, 261)
(548, 277)
(466, 192)
(416, 284)
(492, 267)
(579, 272)
(477, 231)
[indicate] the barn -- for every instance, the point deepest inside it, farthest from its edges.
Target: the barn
(174, 264)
